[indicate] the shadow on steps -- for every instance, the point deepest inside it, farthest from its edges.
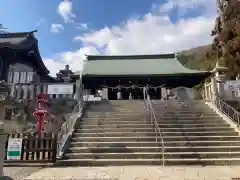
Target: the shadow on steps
(101, 106)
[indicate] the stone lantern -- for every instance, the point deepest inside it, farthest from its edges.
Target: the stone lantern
(220, 72)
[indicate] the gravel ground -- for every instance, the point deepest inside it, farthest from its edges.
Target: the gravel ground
(19, 173)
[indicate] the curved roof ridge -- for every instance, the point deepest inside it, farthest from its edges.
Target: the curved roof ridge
(123, 57)
(16, 34)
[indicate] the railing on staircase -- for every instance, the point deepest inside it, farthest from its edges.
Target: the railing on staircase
(153, 120)
(225, 108)
(67, 127)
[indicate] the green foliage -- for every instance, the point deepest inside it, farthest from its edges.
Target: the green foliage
(198, 60)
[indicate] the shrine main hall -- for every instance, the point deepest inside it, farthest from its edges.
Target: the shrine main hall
(109, 73)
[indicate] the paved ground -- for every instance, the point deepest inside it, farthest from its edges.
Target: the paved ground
(19, 173)
(138, 173)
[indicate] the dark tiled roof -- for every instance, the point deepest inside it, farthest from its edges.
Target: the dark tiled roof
(23, 40)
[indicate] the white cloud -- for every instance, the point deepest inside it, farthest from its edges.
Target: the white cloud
(41, 22)
(81, 26)
(183, 6)
(65, 10)
(56, 28)
(153, 33)
(73, 58)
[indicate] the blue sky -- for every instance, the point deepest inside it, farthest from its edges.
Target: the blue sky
(69, 29)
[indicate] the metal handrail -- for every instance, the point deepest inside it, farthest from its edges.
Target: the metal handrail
(67, 127)
(225, 108)
(153, 119)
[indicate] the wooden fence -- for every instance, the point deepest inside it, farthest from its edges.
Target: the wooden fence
(35, 149)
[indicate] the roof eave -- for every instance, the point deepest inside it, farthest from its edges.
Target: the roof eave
(173, 74)
(45, 70)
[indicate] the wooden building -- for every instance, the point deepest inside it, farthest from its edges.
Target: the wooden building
(112, 73)
(21, 68)
(21, 65)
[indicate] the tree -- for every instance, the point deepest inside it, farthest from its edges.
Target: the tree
(226, 42)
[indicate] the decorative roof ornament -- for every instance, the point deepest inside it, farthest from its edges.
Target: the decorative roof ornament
(2, 29)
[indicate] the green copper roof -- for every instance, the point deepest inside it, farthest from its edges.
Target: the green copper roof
(135, 65)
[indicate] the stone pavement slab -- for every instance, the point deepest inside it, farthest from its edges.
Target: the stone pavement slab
(138, 173)
(18, 173)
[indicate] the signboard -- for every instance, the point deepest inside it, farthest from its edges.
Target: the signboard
(60, 89)
(232, 85)
(14, 149)
(91, 98)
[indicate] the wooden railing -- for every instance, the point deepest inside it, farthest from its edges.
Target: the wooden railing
(35, 149)
(49, 146)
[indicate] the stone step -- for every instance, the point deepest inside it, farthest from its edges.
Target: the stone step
(188, 118)
(186, 115)
(126, 118)
(113, 113)
(152, 155)
(134, 123)
(106, 122)
(186, 121)
(152, 133)
(161, 125)
(185, 111)
(122, 162)
(153, 149)
(155, 144)
(189, 129)
(152, 138)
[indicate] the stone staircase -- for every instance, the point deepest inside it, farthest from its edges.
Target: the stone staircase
(195, 135)
(118, 133)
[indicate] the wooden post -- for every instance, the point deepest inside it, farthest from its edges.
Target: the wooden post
(2, 147)
(54, 147)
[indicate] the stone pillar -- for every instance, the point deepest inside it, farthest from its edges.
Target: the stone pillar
(105, 93)
(78, 90)
(13, 91)
(18, 93)
(45, 88)
(32, 92)
(38, 88)
(238, 88)
(214, 86)
(25, 92)
(206, 93)
(57, 96)
(2, 147)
